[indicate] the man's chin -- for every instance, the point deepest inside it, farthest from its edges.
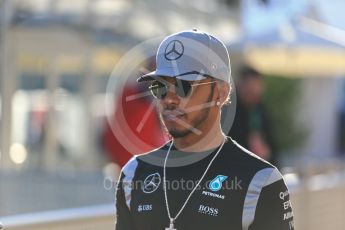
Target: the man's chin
(178, 133)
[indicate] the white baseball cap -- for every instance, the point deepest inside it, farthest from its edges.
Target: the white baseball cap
(191, 55)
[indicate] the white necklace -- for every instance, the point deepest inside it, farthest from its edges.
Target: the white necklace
(172, 219)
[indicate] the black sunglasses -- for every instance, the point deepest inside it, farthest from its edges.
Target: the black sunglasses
(183, 88)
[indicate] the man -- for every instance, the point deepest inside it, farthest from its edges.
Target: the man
(252, 126)
(201, 179)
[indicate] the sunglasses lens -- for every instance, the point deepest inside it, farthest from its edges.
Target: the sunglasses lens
(158, 90)
(183, 88)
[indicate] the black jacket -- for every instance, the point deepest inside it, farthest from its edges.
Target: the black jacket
(252, 193)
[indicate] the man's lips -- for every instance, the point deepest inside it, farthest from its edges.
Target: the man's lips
(172, 115)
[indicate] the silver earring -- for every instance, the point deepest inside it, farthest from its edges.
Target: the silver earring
(218, 103)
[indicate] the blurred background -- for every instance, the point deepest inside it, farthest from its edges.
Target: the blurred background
(60, 152)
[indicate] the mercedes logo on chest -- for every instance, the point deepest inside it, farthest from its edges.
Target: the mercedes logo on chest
(151, 183)
(174, 50)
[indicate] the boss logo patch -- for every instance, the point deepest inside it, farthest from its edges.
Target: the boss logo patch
(207, 210)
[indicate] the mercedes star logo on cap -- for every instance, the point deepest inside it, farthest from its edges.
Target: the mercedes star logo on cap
(174, 50)
(151, 183)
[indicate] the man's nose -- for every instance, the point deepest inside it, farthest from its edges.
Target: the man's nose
(171, 97)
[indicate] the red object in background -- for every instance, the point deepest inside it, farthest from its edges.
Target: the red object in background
(134, 112)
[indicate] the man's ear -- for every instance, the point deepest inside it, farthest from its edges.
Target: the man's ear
(224, 89)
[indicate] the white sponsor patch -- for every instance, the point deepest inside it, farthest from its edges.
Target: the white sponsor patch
(144, 208)
(211, 194)
(282, 195)
(151, 183)
(287, 204)
(208, 210)
(288, 215)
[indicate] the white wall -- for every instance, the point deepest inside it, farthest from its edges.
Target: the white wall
(318, 113)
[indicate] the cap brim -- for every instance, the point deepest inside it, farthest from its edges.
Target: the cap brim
(182, 75)
(147, 77)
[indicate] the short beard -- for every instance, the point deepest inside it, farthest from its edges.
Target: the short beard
(195, 123)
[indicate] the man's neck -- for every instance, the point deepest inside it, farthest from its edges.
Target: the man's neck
(199, 143)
